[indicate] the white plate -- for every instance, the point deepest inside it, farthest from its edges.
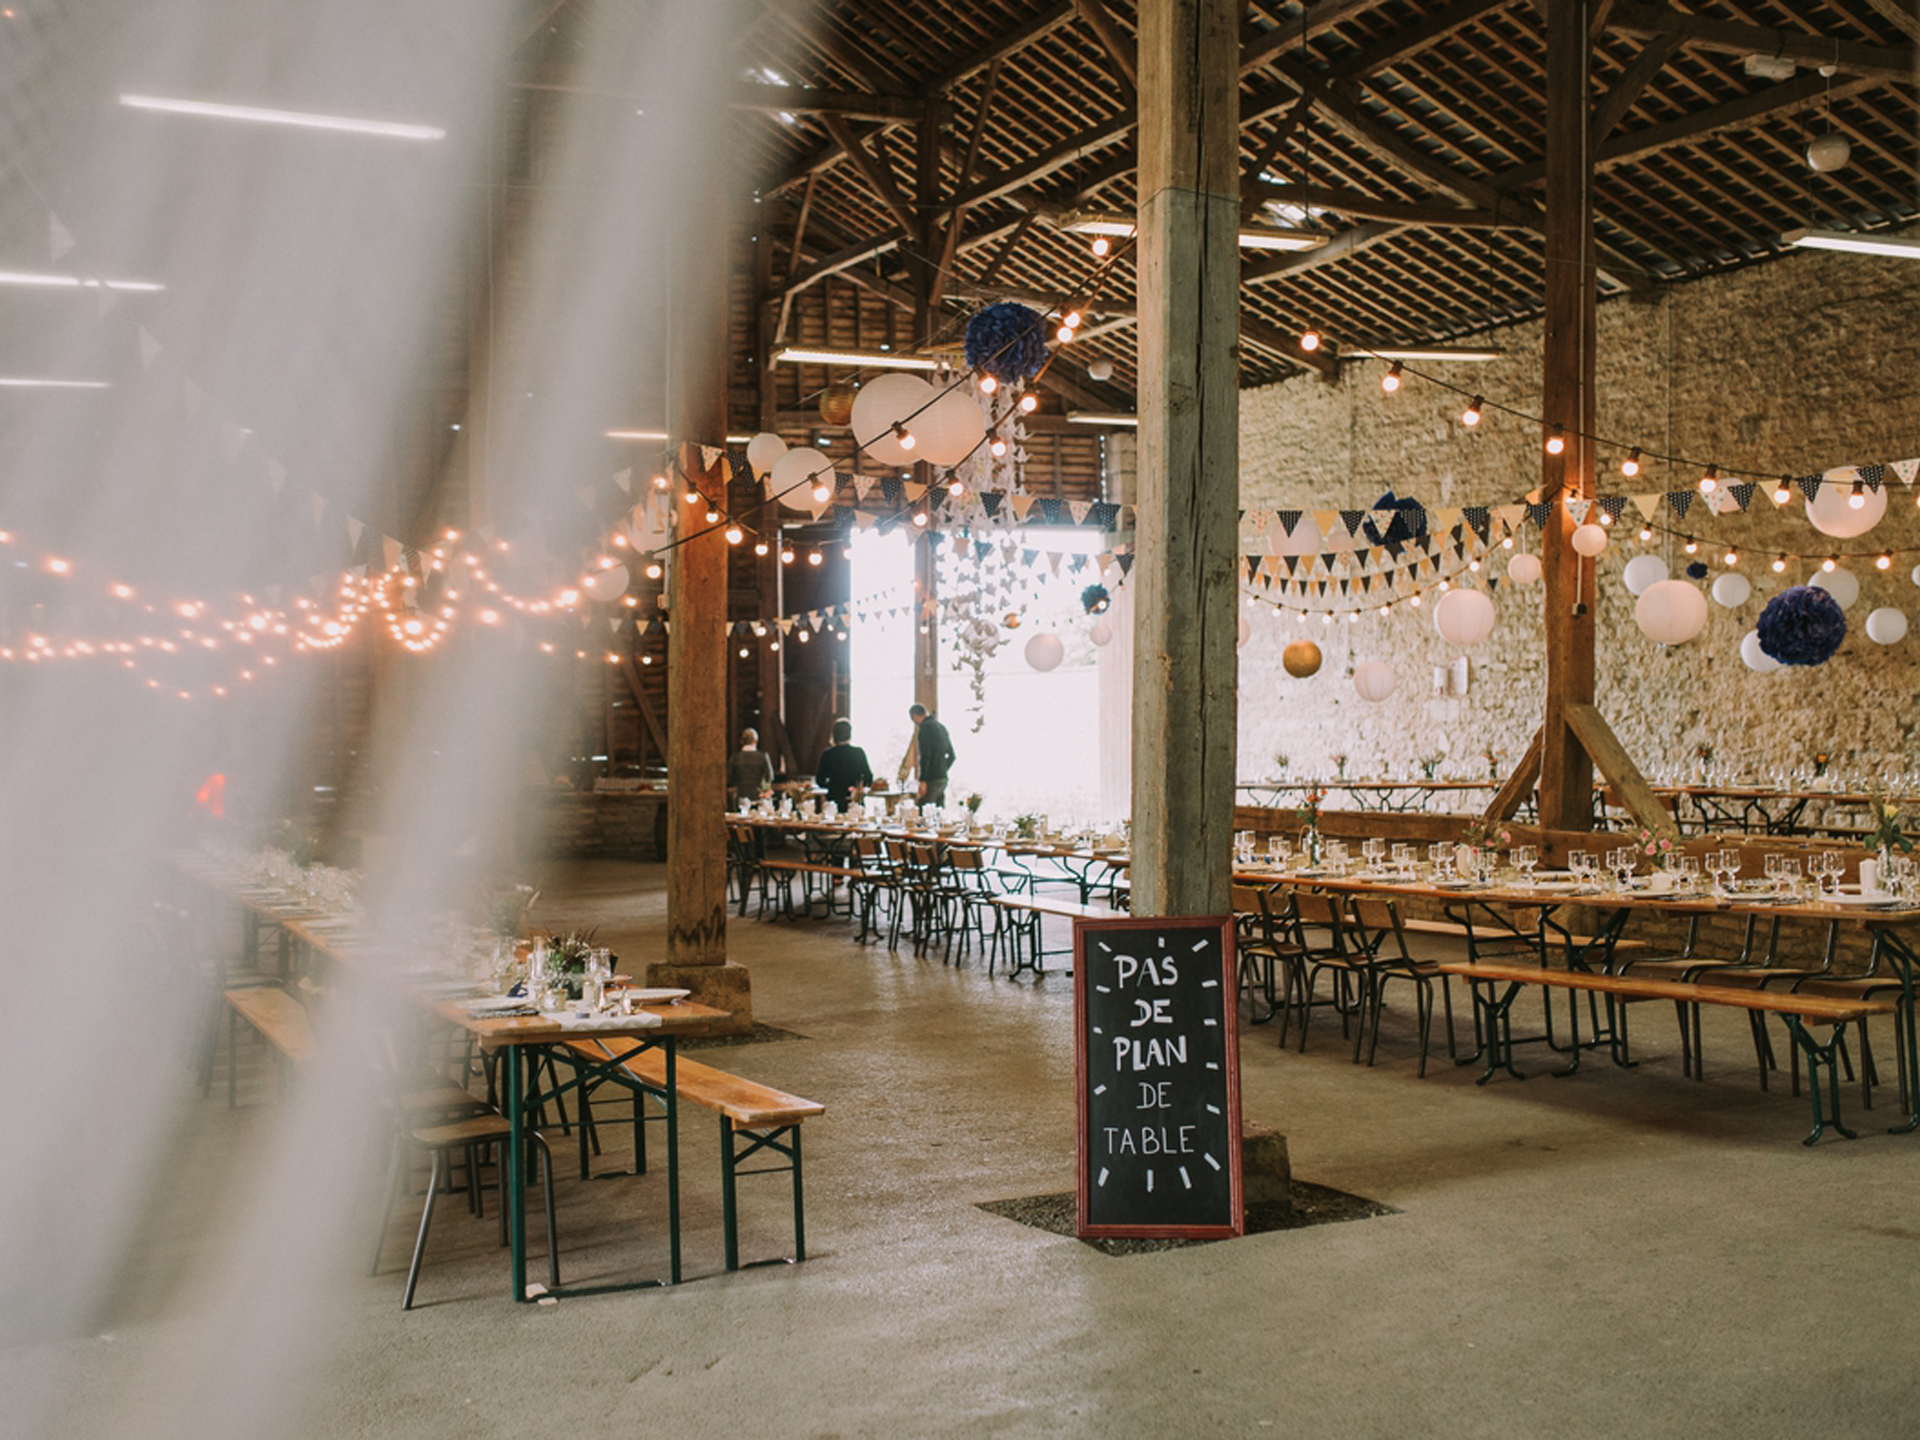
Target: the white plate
(655, 996)
(497, 1002)
(1878, 897)
(1558, 886)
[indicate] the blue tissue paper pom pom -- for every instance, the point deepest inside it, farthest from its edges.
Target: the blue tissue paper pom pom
(1802, 626)
(1008, 342)
(1409, 524)
(1697, 570)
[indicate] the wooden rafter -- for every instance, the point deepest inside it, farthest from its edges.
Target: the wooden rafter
(1697, 32)
(1615, 104)
(1119, 48)
(874, 173)
(1403, 44)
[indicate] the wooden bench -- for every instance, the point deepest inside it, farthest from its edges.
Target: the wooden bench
(1508, 940)
(753, 1117)
(1492, 1011)
(277, 1018)
(806, 870)
(1026, 914)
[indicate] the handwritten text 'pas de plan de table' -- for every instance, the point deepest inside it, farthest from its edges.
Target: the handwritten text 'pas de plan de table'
(1146, 1048)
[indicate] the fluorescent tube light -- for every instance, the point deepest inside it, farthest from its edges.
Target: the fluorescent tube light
(72, 282)
(25, 383)
(1279, 239)
(1101, 417)
(864, 359)
(1899, 247)
(392, 129)
(1093, 222)
(1477, 355)
(662, 435)
(1258, 237)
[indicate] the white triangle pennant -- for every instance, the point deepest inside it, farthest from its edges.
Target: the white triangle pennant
(709, 456)
(1905, 470)
(1577, 507)
(624, 479)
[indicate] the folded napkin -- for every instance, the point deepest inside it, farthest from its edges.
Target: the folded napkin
(641, 1020)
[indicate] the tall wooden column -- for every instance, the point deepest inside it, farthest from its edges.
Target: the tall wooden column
(698, 735)
(1185, 688)
(1567, 382)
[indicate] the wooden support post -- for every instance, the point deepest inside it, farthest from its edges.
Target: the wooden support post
(1567, 369)
(1185, 684)
(1603, 747)
(698, 735)
(1512, 793)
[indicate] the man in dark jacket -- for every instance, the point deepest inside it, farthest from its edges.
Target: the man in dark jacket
(935, 748)
(843, 771)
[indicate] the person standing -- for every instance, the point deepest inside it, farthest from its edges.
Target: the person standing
(749, 769)
(934, 747)
(843, 771)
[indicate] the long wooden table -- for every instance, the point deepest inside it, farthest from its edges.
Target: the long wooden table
(1890, 944)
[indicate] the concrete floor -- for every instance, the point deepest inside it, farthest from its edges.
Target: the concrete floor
(1617, 1253)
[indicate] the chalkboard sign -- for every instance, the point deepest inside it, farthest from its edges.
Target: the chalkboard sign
(1157, 1069)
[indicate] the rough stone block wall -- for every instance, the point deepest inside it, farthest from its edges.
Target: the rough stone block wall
(1796, 366)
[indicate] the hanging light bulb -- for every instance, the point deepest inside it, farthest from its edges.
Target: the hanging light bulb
(1390, 381)
(902, 436)
(1781, 494)
(822, 492)
(988, 384)
(1830, 564)
(735, 535)
(1692, 547)
(1631, 465)
(1101, 245)
(920, 519)
(1857, 500)
(1646, 534)
(786, 554)
(1310, 340)
(1064, 334)
(813, 557)
(1471, 415)
(1029, 403)
(1733, 557)
(1605, 518)
(760, 547)
(955, 488)
(1557, 441)
(692, 497)
(1885, 562)
(997, 448)
(1779, 564)
(713, 516)
(1710, 480)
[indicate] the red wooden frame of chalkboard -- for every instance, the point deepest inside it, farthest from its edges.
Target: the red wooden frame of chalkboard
(1230, 1008)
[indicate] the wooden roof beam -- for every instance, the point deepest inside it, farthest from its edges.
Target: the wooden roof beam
(1901, 13)
(1875, 62)
(1346, 202)
(1120, 50)
(1403, 44)
(1261, 47)
(1346, 243)
(1003, 48)
(1614, 106)
(874, 173)
(1286, 345)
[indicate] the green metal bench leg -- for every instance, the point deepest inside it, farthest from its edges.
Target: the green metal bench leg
(799, 1203)
(729, 1195)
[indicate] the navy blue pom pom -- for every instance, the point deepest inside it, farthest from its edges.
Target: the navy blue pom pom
(1094, 599)
(1008, 342)
(1802, 626)
(1697, 570)
(1409, 523)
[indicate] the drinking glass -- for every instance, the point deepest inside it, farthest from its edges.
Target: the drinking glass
(1276, 848)
(1372, 851)
(1620, 861)
(1580, 864)
(1525, 857)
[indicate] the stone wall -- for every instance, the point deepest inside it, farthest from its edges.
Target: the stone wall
(1795, 367)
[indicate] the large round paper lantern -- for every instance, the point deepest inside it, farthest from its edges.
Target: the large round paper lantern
(1302, 658)
(1801, 626)
(608, 584)
(1671, 612)
(797, 468)
(1756, 659)
(1832, 511)
(1044, 651)
(764, 452)
(1886, 626)
(1463, 617)
(1731, 590)
(1914, 575)
(1524, 568)
(1642, 571)
(1241, 629)
(952, 428)
(1101, 634)
(1590, 539)
(884, 402)
(836, 402)
(1843, 585)
(1374, 680)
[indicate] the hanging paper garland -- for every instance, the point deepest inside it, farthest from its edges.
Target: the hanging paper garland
(1008, 342)
(1801, 626)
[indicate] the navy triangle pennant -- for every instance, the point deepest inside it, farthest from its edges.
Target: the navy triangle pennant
(894, 491)
(1481, 519)
(1872, 474)
(1613, 506)
(1102, 513)
(1289, 518)
(1050, 509)
(1352, 520)
(1538, 514)
(1126, 563)
(1293, 564)
(1680, 501)
(1742, 494)
(990, 502)
(1809, 487)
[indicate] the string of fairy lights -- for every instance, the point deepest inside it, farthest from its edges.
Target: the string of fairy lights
(421, 598)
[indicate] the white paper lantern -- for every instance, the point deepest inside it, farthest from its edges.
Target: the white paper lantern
(1524, 568)
(1374, 680)
(1886, 626)
(1732, 590)
(1832, 511)
(1590, 539)
(1045, 651)
(1241, 629)
(1671, 612)
(1642, 571)
(608, 584)
(1829, 152)
(1463, 617)
(882, 403)
(950, 430)
(764, 452)
(793, 469)
(1101, 634)
(1757, 659)
(1914, 575)
(1842, 585)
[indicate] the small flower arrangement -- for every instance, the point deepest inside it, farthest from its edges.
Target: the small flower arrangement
(1340, 767)
(1657, 845)
(1281, 761)
(1492, 757)
(1821, 760)
(1430, 763)
(1887, 833)
(1026, 827)
(1309, 812)
(567, 957)
(973, 802)
(1484, 834)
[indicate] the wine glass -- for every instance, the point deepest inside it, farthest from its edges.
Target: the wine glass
(1525, 857)
(1620, 861)
(1372, 851)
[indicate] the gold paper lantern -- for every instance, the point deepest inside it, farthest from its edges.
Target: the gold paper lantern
(836, 404)
(1302, 658)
